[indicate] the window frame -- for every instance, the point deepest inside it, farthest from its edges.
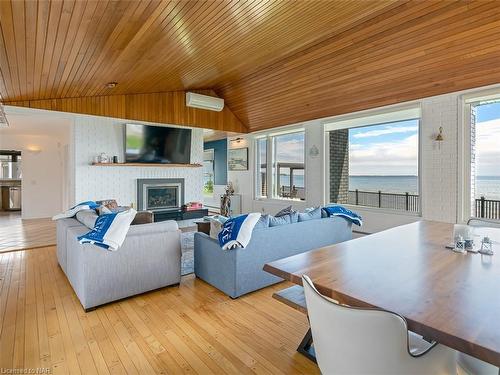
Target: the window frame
(257, 187)
(465, 101)
(466, 201)
(270, 164)
(212, 152)
(387, 115)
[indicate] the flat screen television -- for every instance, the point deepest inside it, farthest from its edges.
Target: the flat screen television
(157, 144)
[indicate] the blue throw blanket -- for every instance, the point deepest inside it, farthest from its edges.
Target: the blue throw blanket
(337, 210)
(110, 230)
(89, 205)
(237, 231)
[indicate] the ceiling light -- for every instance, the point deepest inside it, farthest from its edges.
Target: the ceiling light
(111, 85)
(33, 149)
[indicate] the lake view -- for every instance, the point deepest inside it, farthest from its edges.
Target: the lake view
(487, 186)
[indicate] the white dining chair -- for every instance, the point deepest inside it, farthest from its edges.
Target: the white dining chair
(469, 365)
(478, 222)
(351, 340)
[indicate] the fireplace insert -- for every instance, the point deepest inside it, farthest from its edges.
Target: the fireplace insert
(162, 197)
(158, 194)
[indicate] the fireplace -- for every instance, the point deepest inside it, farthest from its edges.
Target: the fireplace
(160, 194)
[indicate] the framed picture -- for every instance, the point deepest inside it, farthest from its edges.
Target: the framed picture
(238, 159)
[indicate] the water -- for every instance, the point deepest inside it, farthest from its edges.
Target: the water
(298, 180)
(487, 186)
(386, 184)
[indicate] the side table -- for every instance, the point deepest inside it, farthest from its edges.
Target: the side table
(203, 226)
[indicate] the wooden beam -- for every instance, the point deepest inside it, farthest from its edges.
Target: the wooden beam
(163, 107)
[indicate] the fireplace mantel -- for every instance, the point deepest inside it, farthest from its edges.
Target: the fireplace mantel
(159, 165)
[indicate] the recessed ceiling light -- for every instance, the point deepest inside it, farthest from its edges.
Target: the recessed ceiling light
(111, 85)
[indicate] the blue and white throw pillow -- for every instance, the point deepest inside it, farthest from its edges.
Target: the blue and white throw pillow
(338, 210)
(312, 213)
(263, 222)
(285, 211)
(277, 221)
(288, 211)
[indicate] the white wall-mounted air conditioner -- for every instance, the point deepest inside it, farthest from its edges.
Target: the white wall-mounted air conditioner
(204, 102)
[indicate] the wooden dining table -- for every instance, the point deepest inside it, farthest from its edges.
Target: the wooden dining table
(445, 296)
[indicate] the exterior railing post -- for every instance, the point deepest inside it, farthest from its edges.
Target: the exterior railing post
(357, 197)
(482, 207)
(407, 201)
(379, 199)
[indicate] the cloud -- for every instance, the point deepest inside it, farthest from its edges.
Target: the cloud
(488, 148)
(398, 157)
(386, 130)
(290, 149)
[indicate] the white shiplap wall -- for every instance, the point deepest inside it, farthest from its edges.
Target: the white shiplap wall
(93, 135)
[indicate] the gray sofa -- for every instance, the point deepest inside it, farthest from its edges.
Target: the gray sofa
(237, 272)
(150, 258)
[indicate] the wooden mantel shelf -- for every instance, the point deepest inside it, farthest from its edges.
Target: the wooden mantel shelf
(159, 165)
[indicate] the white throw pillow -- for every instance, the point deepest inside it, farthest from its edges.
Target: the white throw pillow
(87, 218)
(216, 223)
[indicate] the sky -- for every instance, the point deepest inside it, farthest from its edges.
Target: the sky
(290, 148)
(392, 149)
(488, 140)
(384, 150)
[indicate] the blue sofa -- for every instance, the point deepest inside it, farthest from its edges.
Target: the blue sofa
(239, 271)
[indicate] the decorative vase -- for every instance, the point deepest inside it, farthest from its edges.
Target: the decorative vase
(225, 200)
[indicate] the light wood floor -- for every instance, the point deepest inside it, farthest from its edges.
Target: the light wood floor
(18, 234)
(192, 328)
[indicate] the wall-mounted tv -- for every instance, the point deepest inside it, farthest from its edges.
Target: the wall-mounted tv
(157, 144)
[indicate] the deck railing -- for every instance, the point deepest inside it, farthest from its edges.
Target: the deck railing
(394, 201)
(487, 208)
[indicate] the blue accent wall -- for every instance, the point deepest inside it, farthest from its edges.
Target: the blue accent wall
(220, 159)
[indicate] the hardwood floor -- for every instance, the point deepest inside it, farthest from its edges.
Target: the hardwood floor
(192, 328)
(18, 234)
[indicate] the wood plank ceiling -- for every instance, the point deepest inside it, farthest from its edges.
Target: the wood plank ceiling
(274, 62)
(416, 50)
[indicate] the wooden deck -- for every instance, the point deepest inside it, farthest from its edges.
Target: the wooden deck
(192, 328)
